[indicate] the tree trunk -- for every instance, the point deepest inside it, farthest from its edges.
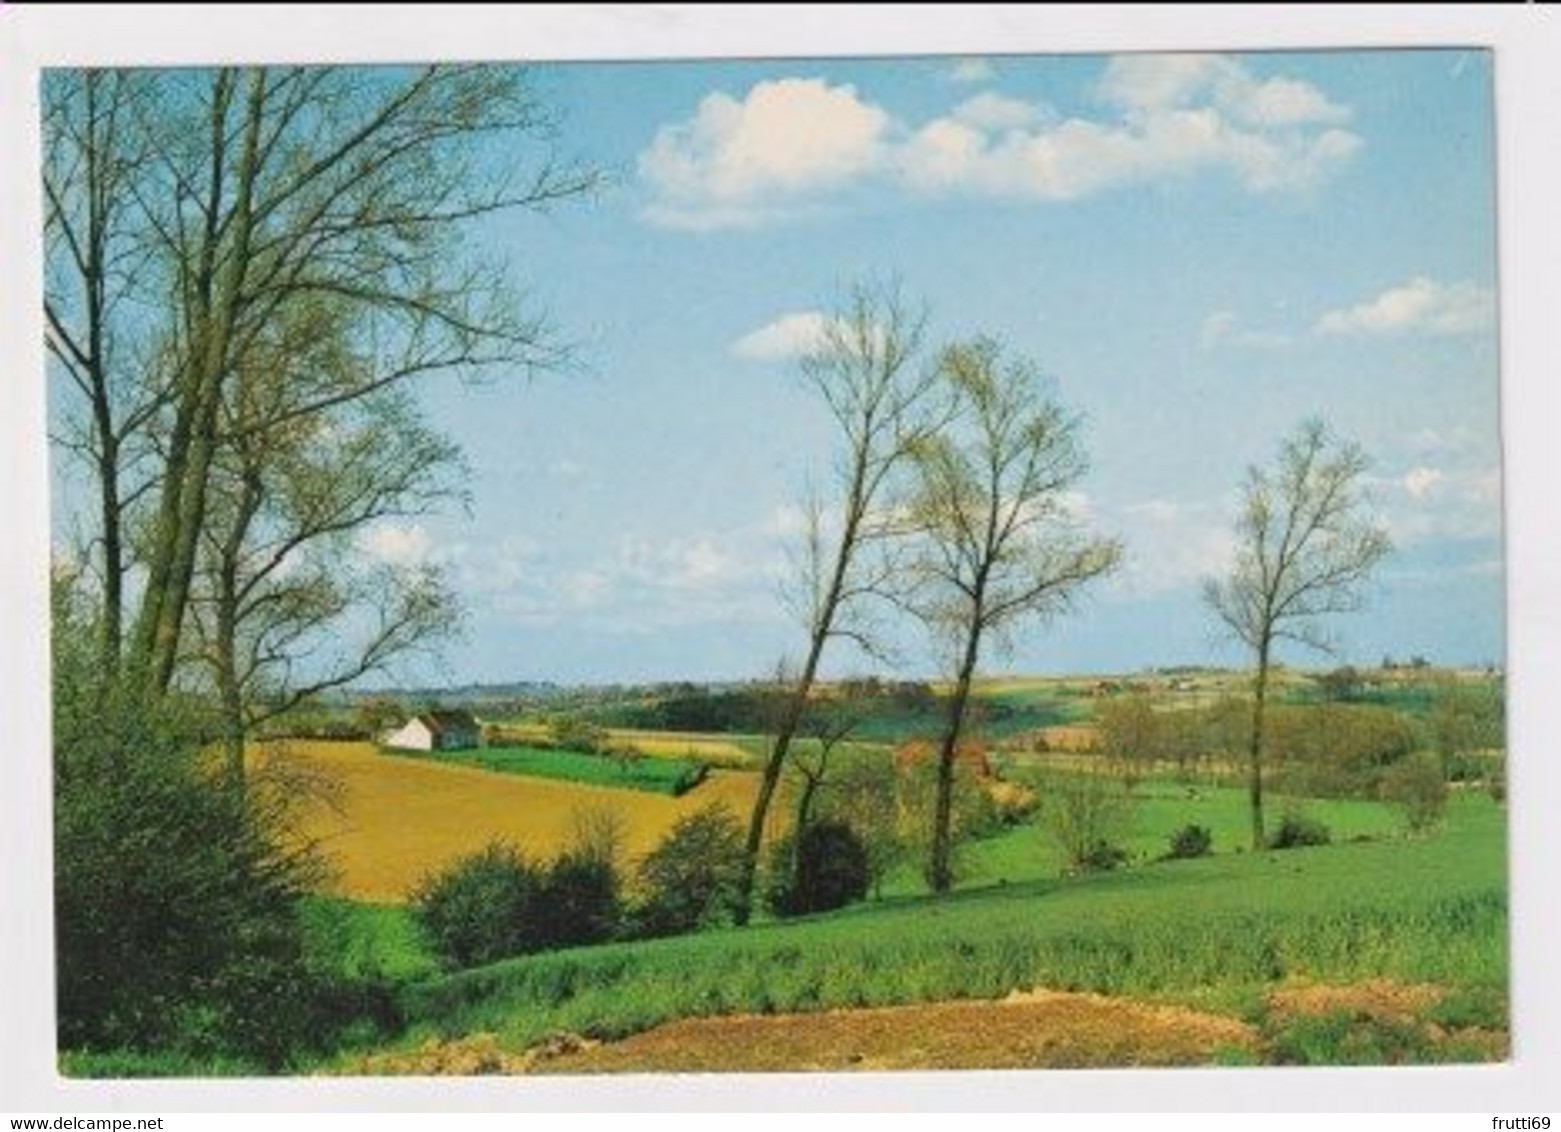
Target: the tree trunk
(218, 292)
(941, 872)
(805, 803)
(1255, 748)
(790, 721)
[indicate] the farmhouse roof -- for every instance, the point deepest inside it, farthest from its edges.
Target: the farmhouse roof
(449, 720)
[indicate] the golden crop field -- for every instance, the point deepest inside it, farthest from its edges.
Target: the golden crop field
(385, 822)
(678, 744)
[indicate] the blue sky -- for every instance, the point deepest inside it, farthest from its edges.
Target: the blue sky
(1201, 250)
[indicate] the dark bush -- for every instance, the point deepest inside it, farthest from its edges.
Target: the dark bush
(580, 901)
(1102, 857)
(692, 879)
(826, 867)
(485, 907)
(1297, 830)
(178, 922)
(497, 903)
(1191, 841)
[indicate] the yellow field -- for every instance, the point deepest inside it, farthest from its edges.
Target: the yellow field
(385, 822)
(677, 744)
(658, 744)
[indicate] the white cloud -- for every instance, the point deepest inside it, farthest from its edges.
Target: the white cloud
(739, 162)
(1422, 480)
(398, 544)
(789, 336)
(789, 143)
(1421, 306)
(971, 71)
(991, 111)
(1426, 502)
(1145, 85)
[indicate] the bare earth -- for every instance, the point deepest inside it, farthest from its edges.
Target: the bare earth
(1041, 1029)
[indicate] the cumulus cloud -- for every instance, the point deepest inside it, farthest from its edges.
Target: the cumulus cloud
(739, 161)
(1420, 306)
(994, 112)
(792, 142)
(1145, 85)
(789, 336)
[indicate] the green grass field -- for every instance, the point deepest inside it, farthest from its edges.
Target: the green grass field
(1214, 933)
(1160, 808)
(674, 776)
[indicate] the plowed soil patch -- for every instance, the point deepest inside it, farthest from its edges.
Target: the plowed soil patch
(1374, 998)
(1037, 1030)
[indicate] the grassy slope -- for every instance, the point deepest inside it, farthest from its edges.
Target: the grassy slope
(1211, 933)
(1026, 852)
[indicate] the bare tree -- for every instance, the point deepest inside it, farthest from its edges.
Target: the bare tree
(999, 542)
(826, 729)
(863, 369)
(1305, 547)
(301, 262)
(96, 260)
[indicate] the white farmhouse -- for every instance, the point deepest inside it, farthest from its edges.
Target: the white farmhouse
(437, 731)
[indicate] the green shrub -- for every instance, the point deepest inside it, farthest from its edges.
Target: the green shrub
(485, 907)
(1102, 857)
(824, 868)
(1297, 831)
(692, 879)
(178, 908)
(572, 733)
(1345, 1038)
(497, 903)
(1337, 750)
(580, 901)
(1191, 841)
(1417, 786)
(1082, 813)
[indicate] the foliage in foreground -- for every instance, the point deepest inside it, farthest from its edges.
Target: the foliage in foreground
(497, 903)
(178, 911)
(1211, 933)
(693, 879)
(823, 868)
(1297, 831)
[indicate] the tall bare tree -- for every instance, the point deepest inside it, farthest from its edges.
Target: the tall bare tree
(864, 371)
(95, 266)
(1306, 545)
(273, 207)
(999, 542)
